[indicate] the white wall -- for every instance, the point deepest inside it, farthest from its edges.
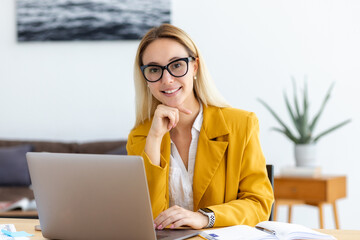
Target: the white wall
(83, 91)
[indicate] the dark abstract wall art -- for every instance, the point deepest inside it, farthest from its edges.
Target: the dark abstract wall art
(76, 20)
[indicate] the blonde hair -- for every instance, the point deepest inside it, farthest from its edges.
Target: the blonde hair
(204, 87)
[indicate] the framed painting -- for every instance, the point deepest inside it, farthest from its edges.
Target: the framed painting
(77, 20)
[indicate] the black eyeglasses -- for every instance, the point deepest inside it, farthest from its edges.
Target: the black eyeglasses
(177, 68)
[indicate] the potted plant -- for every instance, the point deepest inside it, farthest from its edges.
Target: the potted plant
(305, 140)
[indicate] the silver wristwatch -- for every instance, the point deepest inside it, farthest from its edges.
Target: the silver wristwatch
(210, 214)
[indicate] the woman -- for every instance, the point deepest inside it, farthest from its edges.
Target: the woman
(203, 159)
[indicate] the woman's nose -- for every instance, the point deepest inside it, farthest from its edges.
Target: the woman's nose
(167, 77)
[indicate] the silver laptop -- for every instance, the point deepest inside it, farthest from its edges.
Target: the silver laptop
(88, 196)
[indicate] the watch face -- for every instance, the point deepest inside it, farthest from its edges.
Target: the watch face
(207, 210)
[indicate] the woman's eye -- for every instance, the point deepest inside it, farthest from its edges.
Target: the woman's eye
(153, 70)
(176, 65)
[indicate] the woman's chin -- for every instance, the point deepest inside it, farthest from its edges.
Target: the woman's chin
(178, 102)
(173, 104)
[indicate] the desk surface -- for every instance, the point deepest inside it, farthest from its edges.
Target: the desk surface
(27, 225)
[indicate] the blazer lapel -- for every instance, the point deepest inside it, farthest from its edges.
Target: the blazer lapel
(210, 151)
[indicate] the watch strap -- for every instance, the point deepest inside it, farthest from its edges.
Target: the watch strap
(210, 215)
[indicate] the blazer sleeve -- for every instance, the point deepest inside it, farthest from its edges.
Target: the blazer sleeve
(156, 175)
(255, 194)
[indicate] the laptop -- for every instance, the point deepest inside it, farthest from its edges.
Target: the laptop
(89, 196)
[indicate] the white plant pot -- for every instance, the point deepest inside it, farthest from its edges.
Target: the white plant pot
(305, 155)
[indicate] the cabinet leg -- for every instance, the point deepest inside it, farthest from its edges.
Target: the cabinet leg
(289, 213)
(336, 217)
(321, 216)
(275, 211)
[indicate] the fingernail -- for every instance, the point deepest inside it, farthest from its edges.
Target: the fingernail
(172, 226)
(154, 225)
(160, 227)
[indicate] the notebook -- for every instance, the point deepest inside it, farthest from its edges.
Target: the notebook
(267, 230)
(89, 196)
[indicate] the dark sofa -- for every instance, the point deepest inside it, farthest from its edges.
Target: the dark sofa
(12, 161)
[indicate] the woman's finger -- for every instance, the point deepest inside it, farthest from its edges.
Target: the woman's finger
(177, 117)
(184, 110)
(172, 119)
(171, 219)
(165, 214)
(180, 222)
(194, 220)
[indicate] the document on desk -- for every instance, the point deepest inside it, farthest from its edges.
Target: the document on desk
(237, 232)
(5, 228)
(267, 230)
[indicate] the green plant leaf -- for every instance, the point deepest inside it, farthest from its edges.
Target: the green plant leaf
(275, 116)
(332, 129)
(306, 139)
(304, 131)
(288, 134)
(293, 118)
(317, 116)
(300, 117)
(295, 98)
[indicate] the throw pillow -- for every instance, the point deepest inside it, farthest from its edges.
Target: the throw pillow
(13, 166)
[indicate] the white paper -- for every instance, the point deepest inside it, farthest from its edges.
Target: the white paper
(10, 228)
(239, 232)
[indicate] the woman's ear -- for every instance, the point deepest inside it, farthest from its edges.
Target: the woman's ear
(196, 66)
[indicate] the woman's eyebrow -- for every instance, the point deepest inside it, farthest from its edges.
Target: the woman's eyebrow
(156, 63)
(152, 63)
(173, 58)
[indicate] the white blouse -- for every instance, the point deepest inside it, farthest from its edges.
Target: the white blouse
(180, 179)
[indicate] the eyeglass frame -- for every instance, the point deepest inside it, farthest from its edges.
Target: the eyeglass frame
(186, 59)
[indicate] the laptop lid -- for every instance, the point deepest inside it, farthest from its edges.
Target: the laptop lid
(86, 196)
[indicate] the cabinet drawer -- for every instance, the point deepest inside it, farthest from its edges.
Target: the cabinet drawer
(300, 190)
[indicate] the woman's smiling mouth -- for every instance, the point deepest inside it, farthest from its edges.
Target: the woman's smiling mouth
(171, 91)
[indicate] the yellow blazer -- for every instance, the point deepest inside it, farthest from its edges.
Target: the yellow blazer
(230, 174)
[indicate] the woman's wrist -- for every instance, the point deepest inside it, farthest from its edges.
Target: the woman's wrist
(152, 149)
(209, 214)
(155, 137)
(203, 222)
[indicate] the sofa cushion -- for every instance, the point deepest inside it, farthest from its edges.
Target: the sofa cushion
(100, 147)
(13, 166)
(118, 151)
(42, 146)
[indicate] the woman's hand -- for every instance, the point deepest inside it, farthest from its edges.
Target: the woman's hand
(176, 216)
(165, 118)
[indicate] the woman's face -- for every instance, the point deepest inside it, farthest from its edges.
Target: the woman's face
(169, 90)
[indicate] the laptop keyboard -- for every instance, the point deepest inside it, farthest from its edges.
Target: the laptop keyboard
(161, 234)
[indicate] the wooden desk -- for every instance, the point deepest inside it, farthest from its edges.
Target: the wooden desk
(312, 191)
(27, 225)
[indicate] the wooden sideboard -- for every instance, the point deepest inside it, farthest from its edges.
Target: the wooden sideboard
(314, 191)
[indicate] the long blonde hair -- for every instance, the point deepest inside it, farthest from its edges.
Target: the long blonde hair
(204, 87)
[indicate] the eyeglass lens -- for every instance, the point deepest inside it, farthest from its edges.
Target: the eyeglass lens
(177, 69)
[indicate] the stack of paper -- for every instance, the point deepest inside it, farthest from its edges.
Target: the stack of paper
(300, 171)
